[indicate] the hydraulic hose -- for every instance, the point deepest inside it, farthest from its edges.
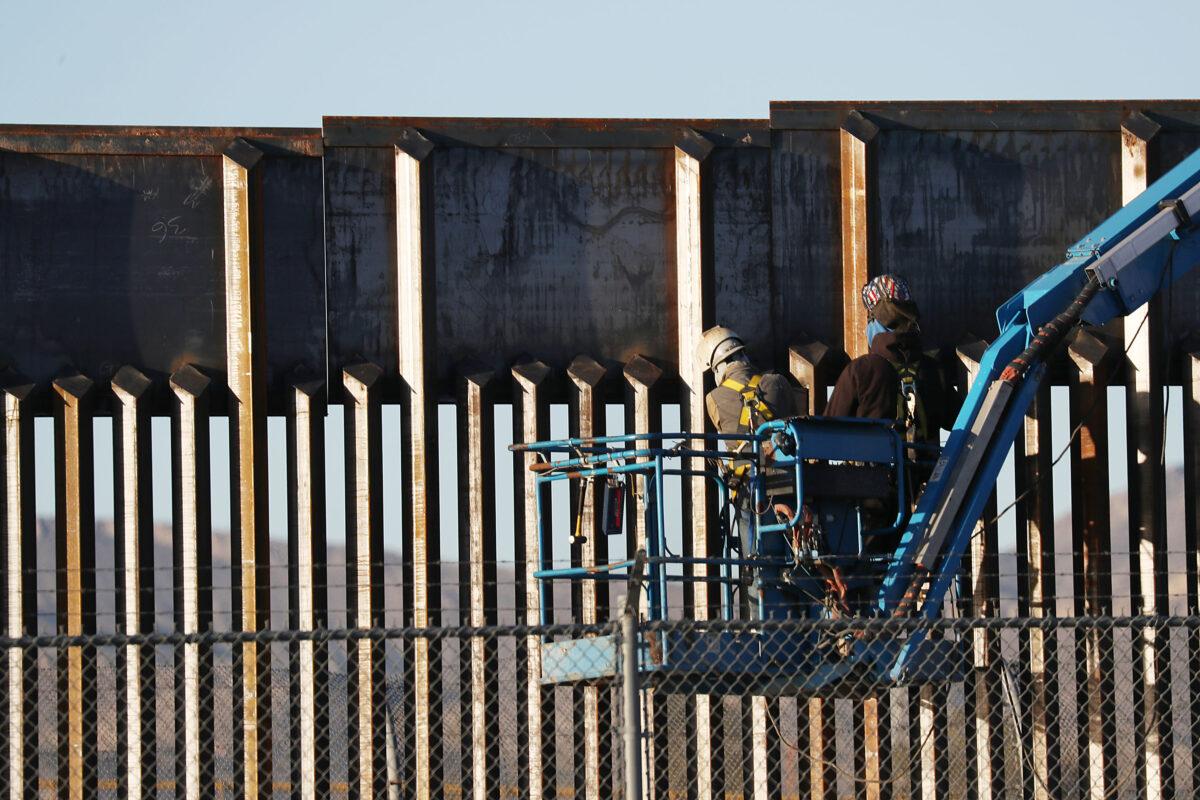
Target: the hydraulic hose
(1050, 335)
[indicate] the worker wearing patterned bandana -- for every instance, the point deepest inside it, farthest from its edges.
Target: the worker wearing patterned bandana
(895, 380)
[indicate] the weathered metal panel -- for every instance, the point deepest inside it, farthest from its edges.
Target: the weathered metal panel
(971, 217)
(1168, 148)
(111, 260)
(360, 253)
(741, 244)
(984, 115)
(132, 245)
(293, 244)
(540, 133)
(556, 252)
(805, 231)
(564, 248)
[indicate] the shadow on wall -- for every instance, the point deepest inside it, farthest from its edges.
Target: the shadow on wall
(126, 245)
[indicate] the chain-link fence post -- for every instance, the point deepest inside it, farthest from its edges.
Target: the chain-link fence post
(632, 715)
(631, 710)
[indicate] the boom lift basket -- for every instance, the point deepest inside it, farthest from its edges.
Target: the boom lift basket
(777, 590)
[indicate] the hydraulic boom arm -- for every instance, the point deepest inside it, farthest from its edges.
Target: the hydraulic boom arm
(1139, 251)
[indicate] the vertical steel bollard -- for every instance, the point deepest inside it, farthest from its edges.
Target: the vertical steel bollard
(631, 710)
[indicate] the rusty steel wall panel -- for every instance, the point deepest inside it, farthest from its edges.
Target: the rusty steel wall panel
(564, 248)
(984, 115)
(110, 260)
(360, 257)
(806, 237)
(1168, 148)
(132, 246)
(741, 244)
(130, 216)
(553, 252)
(293, 243)
(967, 245)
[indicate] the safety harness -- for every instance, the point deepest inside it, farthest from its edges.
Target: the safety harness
(910, 411)
(754, 411)
(752, 400)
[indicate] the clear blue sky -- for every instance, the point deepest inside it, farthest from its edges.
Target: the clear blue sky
(272, 63)
(287, 64)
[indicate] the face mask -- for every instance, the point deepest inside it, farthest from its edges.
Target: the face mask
(874, 327)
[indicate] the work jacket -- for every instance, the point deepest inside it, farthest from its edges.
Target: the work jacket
(726, 403)
(732, 412)
(870, 385)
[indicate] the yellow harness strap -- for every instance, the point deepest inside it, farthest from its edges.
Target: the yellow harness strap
(751, 400)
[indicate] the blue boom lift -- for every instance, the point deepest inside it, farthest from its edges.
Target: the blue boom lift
(813, 559)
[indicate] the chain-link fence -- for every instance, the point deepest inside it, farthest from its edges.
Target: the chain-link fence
(1055, 707)
(451, 712)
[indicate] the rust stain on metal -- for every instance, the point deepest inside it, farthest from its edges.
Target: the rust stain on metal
(153, 140)
(506, 132)
(855, 233)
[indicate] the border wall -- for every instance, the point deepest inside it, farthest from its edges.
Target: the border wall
(527, 264)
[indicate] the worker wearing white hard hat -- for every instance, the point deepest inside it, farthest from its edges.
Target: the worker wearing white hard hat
(745, 396)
